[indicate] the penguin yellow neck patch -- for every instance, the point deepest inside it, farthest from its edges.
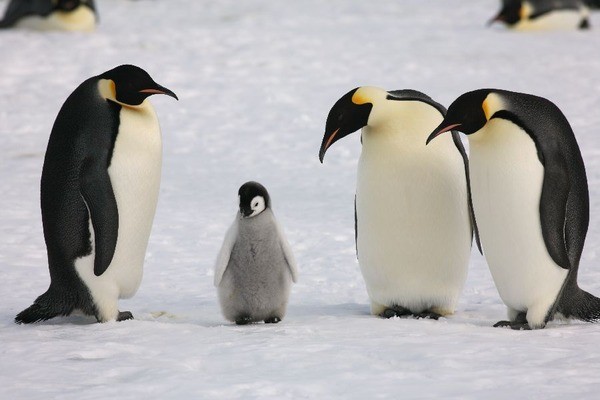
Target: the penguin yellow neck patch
(367, 94)
(107, 89)
(491, 105)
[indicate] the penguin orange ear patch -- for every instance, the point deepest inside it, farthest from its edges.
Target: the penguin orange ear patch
(107, 89)
(359, 98)
(492, 103)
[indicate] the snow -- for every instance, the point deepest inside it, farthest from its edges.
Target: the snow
(256, 80)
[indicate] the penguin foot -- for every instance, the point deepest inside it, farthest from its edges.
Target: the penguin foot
(396, 311)
(124, 316)
(272, 320)
(245, 320)
(401, 312)
(427, 315)
(516, 325)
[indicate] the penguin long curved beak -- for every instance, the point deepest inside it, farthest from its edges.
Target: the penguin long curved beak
(160, 90)
(327, 142)
(439, 130)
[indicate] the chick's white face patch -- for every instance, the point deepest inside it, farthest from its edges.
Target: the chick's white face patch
(257, 205)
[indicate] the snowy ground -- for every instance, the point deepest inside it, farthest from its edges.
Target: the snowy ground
(255, 81)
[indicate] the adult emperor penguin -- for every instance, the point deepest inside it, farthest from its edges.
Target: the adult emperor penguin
(256, 266)
(65, 15)
(533, 15)
(413, 228)
(531, 201)
(99, 191)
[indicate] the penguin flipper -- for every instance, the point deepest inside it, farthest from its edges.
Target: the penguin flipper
(287, 252)
(18, 9)
(97, 192)
(461, 148)
(225, 252)
(553, 210)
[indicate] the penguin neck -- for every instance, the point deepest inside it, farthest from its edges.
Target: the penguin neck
(256, 225)
(403, 125)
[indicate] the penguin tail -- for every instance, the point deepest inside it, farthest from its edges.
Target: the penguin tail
(581, 305)
(43, 308)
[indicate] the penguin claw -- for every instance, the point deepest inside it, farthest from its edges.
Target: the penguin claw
(428, 315)
(402, 312)
(272, 320)
(395, 311)
(124, 316)
(243, 320)
(515, 325)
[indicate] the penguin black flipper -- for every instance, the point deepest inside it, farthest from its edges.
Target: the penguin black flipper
(99, 198)
(412, 95)
(355, 227)
(18, 9)
(564, 202)
(461, 148)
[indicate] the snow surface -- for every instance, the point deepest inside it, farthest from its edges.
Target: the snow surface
(256, 80)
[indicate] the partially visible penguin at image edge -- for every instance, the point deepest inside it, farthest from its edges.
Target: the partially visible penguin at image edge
(531, 201)
(51, 15)
(542, 15)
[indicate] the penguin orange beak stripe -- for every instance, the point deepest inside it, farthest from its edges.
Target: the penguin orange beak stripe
(328, 143)
(437, 132)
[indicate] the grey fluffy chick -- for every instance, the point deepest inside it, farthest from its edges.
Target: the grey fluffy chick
(256, 266)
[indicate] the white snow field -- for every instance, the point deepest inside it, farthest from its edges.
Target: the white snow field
(256, 80)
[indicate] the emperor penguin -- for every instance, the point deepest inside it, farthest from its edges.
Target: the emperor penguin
(538, 15)
(413, 220)
(531, 201)
(99, 191)
(62, 15)
(256, 266)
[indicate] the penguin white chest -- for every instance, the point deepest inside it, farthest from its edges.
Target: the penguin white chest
(506, 184)
(134, 172)
(414, 234)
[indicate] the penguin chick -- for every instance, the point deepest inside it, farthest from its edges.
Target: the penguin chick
(255, 266)
(45, 15)
(531, 200)
(532, 15)
(99, 190)
(413, 221)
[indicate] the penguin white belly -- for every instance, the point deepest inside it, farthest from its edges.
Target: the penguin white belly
(80, 19)
(506, 183)
(555, 20)
(414, 234)
(134, 171)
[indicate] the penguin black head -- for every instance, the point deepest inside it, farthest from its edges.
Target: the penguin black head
(349, 114)
(254, 199)
(468, 114)
(511, 12)
(132, 85)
